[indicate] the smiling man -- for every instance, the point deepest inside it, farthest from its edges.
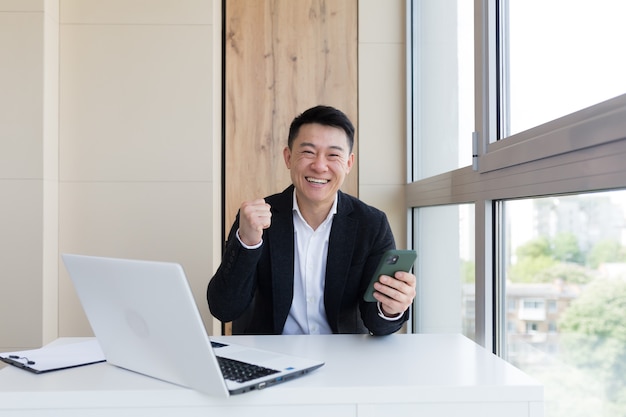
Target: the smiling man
(299, 262)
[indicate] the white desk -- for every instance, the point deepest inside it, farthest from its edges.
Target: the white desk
(398, 375)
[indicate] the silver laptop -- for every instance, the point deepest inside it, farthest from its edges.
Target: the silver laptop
(145, 318)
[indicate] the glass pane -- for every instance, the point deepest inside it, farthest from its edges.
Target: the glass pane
(445, 269)
(564, 55)
(565, 295)
(443, 85)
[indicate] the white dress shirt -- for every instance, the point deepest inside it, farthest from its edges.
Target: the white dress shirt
(308, 314)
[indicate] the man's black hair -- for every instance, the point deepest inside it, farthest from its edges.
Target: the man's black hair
(323, 115)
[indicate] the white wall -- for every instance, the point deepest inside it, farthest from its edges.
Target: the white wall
(110, 143)
(28, 172)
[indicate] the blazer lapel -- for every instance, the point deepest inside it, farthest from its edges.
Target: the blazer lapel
(281, 245)
(340, 248)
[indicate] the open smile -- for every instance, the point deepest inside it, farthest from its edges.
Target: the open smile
(317, 180)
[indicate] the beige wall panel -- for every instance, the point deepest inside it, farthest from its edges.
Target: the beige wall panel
(51, 98)
(136, 103)
(192, 12)
(21, 263)
(28, 172)
(216, 163)
(382, 127)
(389, 198)
(50, 273)
(137, 146)
(382, 22)
(382, 110)
(21, 87)
(50, 262)
(164, 221)
(22, 5)
(282, 57)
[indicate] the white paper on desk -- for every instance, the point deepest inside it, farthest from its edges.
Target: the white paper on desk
(52, 358)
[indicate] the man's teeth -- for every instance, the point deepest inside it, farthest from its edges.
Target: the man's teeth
(317, 180)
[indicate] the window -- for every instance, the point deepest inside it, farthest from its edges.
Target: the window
(569, 253)
(531, 328)
(533, 309)
(552, 306)
(533, 305)
(443, 116)
(445, 266)
(561, 57)
(550, 139)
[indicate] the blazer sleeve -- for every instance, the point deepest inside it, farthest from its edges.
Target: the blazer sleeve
(232, 288)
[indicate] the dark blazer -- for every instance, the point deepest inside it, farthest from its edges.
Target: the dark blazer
(254, 288)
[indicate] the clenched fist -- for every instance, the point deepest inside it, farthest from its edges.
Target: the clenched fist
(254, 217)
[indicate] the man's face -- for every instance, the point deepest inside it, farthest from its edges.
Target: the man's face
(319, 161)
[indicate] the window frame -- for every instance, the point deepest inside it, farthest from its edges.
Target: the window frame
(577, 153)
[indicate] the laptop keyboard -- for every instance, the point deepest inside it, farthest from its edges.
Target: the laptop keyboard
(240, 371)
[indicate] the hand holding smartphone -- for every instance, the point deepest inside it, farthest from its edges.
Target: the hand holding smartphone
(392, 261)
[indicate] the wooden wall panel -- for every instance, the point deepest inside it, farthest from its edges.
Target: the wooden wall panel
(281, 57)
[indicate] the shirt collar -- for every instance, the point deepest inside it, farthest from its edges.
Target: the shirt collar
(296, 208)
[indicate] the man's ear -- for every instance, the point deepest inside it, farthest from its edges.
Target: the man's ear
(287, 156)
(350, 162)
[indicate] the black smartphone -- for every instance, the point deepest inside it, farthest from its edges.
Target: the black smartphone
(393, 260)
